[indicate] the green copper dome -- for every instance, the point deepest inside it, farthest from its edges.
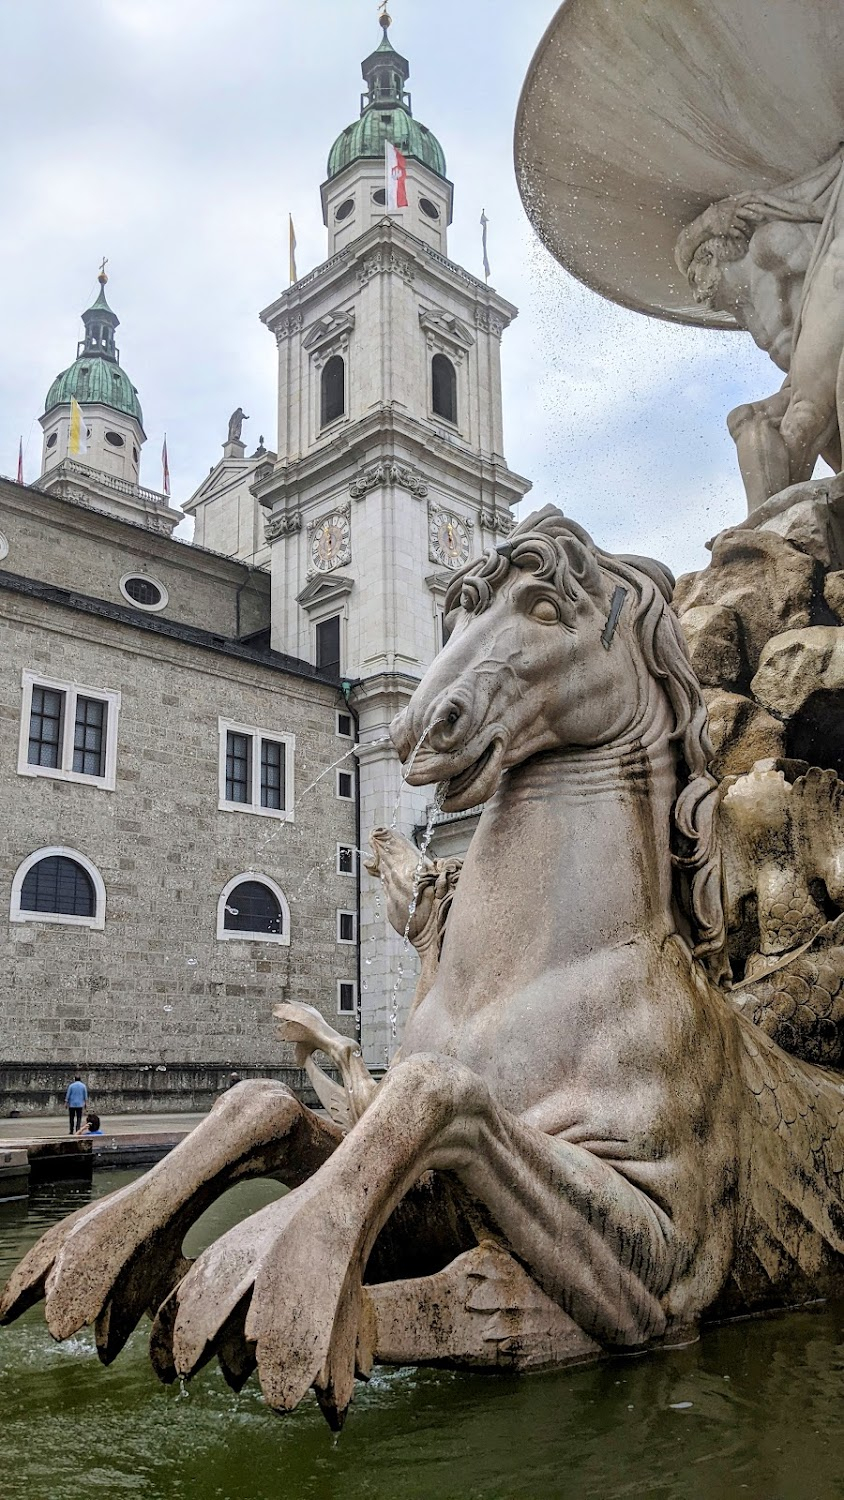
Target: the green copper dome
(386, 115)
(96, 375)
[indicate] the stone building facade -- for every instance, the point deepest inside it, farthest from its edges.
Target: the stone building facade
(155, 982)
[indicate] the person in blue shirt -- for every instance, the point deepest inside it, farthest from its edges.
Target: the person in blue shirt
(92, 1125)
(76, 1098)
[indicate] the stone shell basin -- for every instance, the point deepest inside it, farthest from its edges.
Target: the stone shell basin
(637, 114)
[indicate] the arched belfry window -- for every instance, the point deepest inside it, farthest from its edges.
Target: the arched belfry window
(333, 390)
(444, 388)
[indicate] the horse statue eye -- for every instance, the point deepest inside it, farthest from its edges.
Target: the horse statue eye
(546, 611)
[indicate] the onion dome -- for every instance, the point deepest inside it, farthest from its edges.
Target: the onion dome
(96, 375)
(386, 115)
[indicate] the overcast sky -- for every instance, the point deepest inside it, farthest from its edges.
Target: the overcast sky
(174, 136)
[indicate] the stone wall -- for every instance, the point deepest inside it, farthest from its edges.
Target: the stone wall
(133, 1088)
(156, 987)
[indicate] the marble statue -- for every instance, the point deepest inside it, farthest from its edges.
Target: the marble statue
(236, 421)
(583, 1143)
(774, 261)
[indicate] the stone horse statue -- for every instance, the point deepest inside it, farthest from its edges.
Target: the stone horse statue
(574, 1096)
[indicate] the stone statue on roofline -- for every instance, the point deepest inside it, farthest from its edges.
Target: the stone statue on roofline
(773, 260)
(236, 421)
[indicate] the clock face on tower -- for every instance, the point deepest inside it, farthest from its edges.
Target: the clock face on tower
(449, 538)
(331, 543)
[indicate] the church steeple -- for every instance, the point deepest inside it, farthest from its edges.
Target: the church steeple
(100, 324)
(353, 195)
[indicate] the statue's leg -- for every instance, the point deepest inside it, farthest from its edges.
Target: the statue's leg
(815, 360)
(595, 1243)
(762, 455)
(113, 1259)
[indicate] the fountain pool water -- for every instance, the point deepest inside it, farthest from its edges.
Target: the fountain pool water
(752, 1412)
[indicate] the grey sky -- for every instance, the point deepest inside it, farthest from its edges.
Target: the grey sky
(174, 136)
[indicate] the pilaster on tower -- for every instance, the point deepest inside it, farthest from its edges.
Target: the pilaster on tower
(391, 471)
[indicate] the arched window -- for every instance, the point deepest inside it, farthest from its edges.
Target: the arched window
(444, 388)
(58, 885)
(333, 390)
(253, 908)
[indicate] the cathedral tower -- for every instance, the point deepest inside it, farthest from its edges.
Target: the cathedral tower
(104, 469)
(391, 469)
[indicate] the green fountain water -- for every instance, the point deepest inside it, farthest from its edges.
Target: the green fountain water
(752, 1412)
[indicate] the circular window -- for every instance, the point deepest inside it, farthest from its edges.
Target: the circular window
(4, 547)
(428, 208)
(380, 197)
(145, 592)
(345, 210)
(115, 439)
(52, 440)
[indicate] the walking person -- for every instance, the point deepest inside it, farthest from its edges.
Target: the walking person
(76, 1098)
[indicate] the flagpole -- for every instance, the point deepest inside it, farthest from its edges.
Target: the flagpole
(293, 276)
(20, 460)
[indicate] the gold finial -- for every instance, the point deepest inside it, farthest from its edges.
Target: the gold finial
(102, 278)
(385, 19)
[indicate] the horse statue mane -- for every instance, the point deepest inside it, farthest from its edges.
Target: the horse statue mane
(560, 552)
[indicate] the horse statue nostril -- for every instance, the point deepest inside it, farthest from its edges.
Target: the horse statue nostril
(452, 717)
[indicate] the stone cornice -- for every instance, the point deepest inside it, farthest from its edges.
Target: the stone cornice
(386, 247)
(388, 435)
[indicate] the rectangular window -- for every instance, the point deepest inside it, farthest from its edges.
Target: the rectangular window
(346, 859)
(346, 926)
(346, 785)
(45, 727)
(347, 997)
(68, 732)
(238, 767)
(344, 725)
(328, 645)
(256, 770)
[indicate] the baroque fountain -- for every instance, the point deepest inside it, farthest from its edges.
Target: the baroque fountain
(616, 1115)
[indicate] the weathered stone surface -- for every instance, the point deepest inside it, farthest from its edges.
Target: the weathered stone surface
(741, 733)
(810, 516)
(713, 636)
(798, 664)
(833, 592)
(768, 581)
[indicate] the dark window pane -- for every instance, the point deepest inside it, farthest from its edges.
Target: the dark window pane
(328, 645)
(344, 725)
(238, 767)
(252, 907)
(444, 388)
(346, 860)
(333, 388)
(58, 884)
(45, 728)
(89, 737)
(345, 785)
(347, 927)
(347, 997)
(143, 590)
(272, 773)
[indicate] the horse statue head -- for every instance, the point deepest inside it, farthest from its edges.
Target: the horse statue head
(557, 646)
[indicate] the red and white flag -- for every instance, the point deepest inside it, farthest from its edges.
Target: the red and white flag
(396, 177)
(165, 468)
(20, 461)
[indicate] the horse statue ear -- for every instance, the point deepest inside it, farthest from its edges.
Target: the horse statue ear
(655, 571)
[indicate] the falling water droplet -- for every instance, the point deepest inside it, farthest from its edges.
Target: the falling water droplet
(191, 962)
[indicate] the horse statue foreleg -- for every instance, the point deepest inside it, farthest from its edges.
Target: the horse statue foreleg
(113, 1259)
(593, 1241)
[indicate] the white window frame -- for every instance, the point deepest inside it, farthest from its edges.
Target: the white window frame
(341, 771)
(63, 919)
(72, 691)
(354, 1009)
(285, 814)
(151, 609)
(4, 549)
(228, 935)
(348, 874)
(341, 714)
(352, 941)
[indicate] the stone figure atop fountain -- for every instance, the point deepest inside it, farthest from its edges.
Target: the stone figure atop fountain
(775, 261)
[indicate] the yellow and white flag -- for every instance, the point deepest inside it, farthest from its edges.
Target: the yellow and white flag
(78, 431)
